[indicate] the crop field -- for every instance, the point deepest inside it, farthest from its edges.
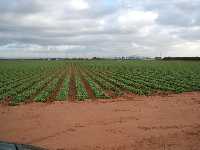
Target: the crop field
(101, 104)
(23, 81)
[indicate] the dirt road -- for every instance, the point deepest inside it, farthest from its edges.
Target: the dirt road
(126, 123)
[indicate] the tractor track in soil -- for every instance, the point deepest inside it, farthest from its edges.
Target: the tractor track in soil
(72, 84)
(87, 86)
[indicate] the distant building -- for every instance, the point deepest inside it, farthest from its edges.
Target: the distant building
(55, 59)
(158, 58)
(148, 58)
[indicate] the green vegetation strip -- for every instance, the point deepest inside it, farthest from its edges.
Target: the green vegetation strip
(81, 91)
(38, 80)
(63, 93)
(42, 97)
(27, 94)
(97, 90)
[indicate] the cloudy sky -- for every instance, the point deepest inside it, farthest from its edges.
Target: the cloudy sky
(103, 28)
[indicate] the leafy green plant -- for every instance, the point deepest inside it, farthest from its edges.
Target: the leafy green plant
(81, 92)
(97, 90)
(63, 93)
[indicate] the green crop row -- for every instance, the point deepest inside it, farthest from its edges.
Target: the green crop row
(63, 93)
(42, 97)
(104, 83)
(81, 91)
(97, 90)
(36, 88)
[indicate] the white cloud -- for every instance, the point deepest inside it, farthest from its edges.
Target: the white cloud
(79, 4)
(130, 18)
(185, 49)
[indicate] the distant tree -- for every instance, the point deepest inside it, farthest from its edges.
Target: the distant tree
(181, 58)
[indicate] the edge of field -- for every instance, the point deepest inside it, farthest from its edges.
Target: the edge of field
(127, 96)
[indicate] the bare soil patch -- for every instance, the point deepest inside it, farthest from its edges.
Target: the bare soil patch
(129, 122)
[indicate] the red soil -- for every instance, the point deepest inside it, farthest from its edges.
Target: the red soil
(88, 89)
(127, 123)
(72, 86)
(86, 84)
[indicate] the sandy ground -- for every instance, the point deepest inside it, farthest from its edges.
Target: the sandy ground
(127, 123)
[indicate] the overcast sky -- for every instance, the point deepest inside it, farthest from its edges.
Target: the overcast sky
(102, 28)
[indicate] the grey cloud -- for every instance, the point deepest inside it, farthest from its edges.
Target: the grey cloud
(173, 12)
(18, 6)
(45, 28)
